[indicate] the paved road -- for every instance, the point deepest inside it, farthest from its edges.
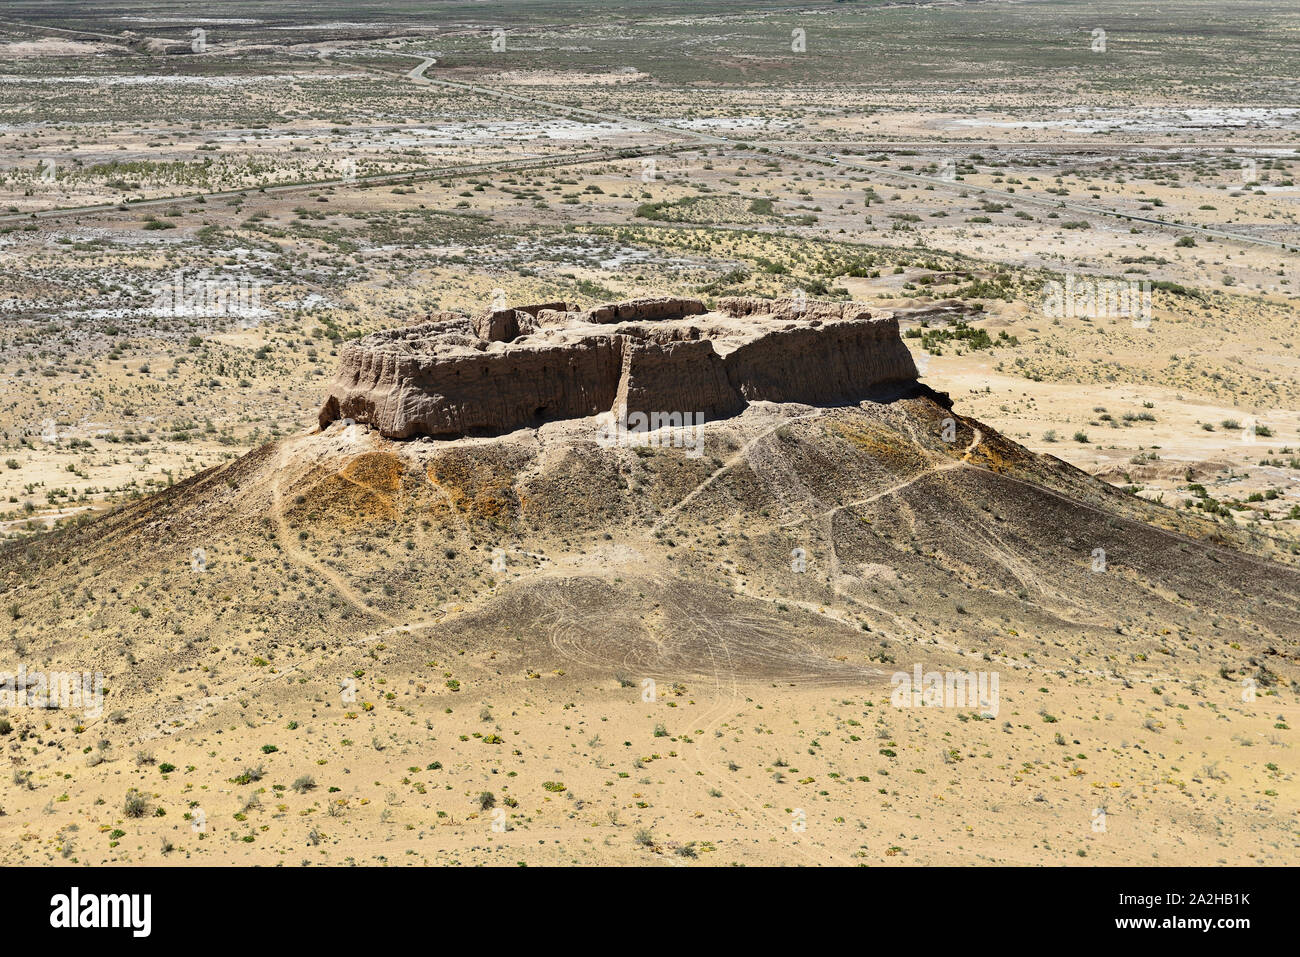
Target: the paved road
(1021, 199)
(423, 173)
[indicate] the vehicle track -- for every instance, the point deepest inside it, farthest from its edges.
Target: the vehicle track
(299, 555)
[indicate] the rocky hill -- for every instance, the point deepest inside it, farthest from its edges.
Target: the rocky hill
(343, 647)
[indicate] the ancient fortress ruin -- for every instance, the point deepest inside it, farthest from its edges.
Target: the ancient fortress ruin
(506, 369)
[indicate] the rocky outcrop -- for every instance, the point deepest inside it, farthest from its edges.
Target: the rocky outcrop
(506, 369)
(505, 325)
(686, 375)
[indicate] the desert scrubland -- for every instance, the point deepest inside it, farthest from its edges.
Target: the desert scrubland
(319, 645)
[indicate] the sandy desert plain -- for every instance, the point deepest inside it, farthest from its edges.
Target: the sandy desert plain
(321, 646)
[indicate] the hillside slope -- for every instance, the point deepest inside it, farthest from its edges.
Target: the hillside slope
(368, 608)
